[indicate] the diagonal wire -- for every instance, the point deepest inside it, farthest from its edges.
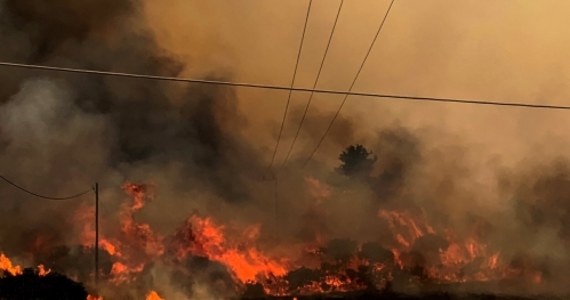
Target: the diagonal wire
(300, 126)
(292, 84)
(352, 84)
(43, 196)
(472, 101)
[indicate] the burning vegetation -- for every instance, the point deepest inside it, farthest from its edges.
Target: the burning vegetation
(416, 255)
(188, 210)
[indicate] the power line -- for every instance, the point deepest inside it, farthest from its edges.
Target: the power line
(505, 103)
(43, 196)
(276, 196)
(325, 55)
(292, 84)
(352, 84)
(95, 190)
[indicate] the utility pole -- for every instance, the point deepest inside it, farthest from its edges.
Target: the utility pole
(97, 236)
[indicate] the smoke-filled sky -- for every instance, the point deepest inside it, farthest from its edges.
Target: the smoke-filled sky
(207, 148)
(508, 50)
(505, 50)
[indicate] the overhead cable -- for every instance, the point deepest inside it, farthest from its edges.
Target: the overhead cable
(316, 82)
(472, 101)
(286, 111)
(74, 196)
(337, 113)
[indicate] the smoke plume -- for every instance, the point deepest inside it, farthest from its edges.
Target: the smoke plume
(490, 174)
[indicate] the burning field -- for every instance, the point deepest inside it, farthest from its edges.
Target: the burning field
(204, 258)
(188, 206)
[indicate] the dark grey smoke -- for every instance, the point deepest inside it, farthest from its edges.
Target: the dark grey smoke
(543, 201)
(50, 27)
(399, 153)
(60, 133)
(144, 121)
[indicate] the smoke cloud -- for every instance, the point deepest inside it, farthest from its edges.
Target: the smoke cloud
(496, 174)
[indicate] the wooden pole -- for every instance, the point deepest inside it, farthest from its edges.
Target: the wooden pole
(97, 236)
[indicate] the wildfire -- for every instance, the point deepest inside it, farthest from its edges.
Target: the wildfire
(42, 271)
(453, 258)
(7, 266)
(153, 296)
(406, 229)
(137, 243)
(109, 247)
(139, 193)
(206, 238)
(447, 257)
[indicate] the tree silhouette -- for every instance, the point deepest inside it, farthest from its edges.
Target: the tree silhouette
(357, 161)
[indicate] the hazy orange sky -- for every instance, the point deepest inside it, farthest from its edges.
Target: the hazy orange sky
(456, 164)
(508, 50)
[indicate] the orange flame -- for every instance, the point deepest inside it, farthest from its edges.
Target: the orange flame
(459, 258)
(7, 266)
(405, 228)
(153, 296)
(206, 238)
(458, 254)
(137, 243)
(139, 193)
(42, 271)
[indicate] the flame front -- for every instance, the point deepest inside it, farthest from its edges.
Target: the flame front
(7, 266)
(202, 237)
(310, 268)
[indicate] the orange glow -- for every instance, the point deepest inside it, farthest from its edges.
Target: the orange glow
(458, 254)
(237, 249)
(122, 273)
(135, 246)
(85, 216)
(139, 236)
(405, 228)
(137, 243)
(206, 238)
(153, 296)
(42, 271)
(7, 266)
(109, 247)
(317, 189)
(493, 261)
(139, 193)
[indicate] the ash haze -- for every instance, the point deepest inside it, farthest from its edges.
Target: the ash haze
(206, 149)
